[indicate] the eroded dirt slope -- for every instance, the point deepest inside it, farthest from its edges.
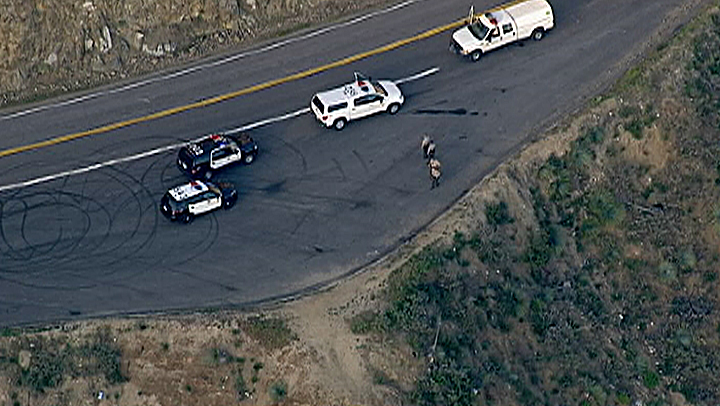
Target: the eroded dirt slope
(49, 47)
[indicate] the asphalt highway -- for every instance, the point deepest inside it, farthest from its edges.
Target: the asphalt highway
(317, 204)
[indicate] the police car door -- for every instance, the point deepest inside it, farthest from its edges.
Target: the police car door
(221, 157)
(359, 107)
(362, 106)
(204, 203)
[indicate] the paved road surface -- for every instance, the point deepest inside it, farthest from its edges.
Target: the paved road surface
(317, 204)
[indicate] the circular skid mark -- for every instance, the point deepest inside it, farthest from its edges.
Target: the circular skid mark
(42, 227)
(99, 226)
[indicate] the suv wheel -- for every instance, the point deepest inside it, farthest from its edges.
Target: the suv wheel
(339, 124)
(393, 108)
(248, 158)
(538, 34)
(187, 218)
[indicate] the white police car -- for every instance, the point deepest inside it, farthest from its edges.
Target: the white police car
(186, 201)
(363, 97)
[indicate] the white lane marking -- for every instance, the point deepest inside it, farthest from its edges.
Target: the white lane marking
(419, 75)
(268, 121)
(211, 64)
(85, 169)
(159, 150)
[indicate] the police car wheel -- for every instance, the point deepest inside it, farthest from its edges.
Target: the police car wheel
(230, 202)
(187, 218)
(394, 108)
(538, 34)
(339, 124)
(248, 158)
(475, 56)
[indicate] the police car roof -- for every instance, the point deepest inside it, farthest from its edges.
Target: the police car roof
(346, 92)
(207, 144)
(188, 190)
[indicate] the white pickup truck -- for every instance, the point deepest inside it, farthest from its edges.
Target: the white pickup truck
(503, 25)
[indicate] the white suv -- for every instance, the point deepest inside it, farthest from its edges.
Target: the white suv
(363, 97)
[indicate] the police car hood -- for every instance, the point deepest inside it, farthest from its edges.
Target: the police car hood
(465, 38)
(391, 88)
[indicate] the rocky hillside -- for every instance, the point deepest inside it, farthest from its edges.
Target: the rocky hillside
(53, 46)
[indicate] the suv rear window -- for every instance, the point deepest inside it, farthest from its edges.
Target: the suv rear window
(316, 101)
(336, 107)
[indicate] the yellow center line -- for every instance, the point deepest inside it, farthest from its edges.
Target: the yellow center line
(232, 95)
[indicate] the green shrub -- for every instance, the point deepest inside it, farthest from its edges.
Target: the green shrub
(497, 214)
(46, 370)
(272, 333)
(103, 356)
(539, 251)
(445, 384)
(278, 391)
(539, 319)
(366, 322)
(651, 379)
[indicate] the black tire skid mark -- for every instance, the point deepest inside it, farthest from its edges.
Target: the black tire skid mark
(198, 277)
(143, 210)
(57, 201)
(340, 169)
(47, 287)
(80, 199)
(114, 174)
(361, 160)
(168, 181)
(212, 233)
(294, 150)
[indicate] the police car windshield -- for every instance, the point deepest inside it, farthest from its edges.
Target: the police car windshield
(379, 88)
(479, 30)
(316, 101)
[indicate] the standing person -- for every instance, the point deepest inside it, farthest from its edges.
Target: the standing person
(431, 150)
(426, 141)
(435, 172)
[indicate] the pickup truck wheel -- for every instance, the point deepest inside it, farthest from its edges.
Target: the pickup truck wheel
(393, 108)
(187, 218)
(339, 124)
(538, 34)
(248, 159)
(475, 56)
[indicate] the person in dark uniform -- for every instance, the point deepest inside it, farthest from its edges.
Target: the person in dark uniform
(425, 144)
(430, 150)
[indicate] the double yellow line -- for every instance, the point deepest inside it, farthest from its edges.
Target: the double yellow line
(232, 95)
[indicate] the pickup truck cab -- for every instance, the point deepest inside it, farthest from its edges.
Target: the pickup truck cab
(514, 21)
